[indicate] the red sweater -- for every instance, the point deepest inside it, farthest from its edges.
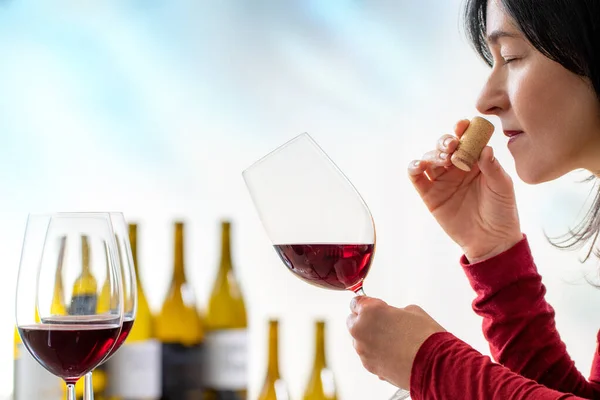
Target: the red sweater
(532, 361)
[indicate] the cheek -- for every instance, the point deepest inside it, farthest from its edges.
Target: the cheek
(535, 102)
(537, 107)
(559, 113)
(550, 104)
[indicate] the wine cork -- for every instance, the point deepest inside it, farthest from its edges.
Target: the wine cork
(472, 142)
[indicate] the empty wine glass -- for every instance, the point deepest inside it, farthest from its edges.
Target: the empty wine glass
(128, 280)
(69, 329)
(319, 224)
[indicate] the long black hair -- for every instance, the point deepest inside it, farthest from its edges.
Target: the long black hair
(565, 31)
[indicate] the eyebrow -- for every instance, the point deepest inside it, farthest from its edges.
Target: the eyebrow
(493, 37)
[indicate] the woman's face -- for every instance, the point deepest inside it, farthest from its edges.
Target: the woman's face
(551, 115)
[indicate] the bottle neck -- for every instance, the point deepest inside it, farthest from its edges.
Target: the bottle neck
(58, 280)
(226, 264)
(108, 262)
(134, 255)
(85, 256)
(273, 366)
(320, 361)
(58, 290)
(178, 261)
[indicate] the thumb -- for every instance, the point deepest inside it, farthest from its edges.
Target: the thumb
(359, 303)
(497, 178)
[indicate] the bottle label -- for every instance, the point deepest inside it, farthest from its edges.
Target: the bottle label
(226, 359)
(328, 382)
(84, 304)
(182, 372)
(32, 381)
(134, 371)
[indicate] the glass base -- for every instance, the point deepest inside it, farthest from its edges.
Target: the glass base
(401, 394)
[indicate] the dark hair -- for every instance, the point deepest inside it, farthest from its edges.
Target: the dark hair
(565, 31)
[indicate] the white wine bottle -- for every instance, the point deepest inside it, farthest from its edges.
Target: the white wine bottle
(180, 329)
(274, 387)
(134, 372)
(226, 344)
(321, 384)
(84, 299)
(30, 379)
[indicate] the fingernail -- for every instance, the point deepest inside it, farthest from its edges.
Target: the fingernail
(353, 303)
(444, 156)
(416, 164)
(447, 142)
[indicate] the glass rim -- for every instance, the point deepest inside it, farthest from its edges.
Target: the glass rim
(306, 135)
(283, 146)
(89, 214)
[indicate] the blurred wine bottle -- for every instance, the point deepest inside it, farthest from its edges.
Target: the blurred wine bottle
(84, 298)
(134, 372)
(104, 300)
(179, 327)
(321, 384)
(226, 343)
(30, 379)
(274, 387)
(84, 301)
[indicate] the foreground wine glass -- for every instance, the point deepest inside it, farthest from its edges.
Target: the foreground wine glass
(69, 339)
(319, 224)
(128, 281)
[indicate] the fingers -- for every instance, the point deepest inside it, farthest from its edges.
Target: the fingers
(350, 321)
(497, 178)
(436, 163)
(354, 304)
(439, 159)
(423, 172)
(447, 144)
(365, 311)
(461, 126)
(413, 309)
(420, 180)
(359, 303)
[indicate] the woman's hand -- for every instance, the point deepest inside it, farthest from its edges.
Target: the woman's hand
(387, 338)
(477, 209)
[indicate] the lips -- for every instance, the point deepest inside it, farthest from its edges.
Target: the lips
(511, 134)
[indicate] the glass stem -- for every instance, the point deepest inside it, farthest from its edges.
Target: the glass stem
(71, 391)
(360, 292)
(88, 387)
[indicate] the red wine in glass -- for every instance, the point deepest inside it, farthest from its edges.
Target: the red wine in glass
(125, 329)
(69, 350)
(328, 265)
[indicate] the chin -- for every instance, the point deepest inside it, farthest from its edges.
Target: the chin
(534, 175)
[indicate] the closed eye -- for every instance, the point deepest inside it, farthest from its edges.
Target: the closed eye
(508, 60)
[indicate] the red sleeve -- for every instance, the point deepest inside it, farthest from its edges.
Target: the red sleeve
(447, 368)
(519, 324)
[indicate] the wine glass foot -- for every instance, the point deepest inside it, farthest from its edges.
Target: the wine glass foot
(401, 395)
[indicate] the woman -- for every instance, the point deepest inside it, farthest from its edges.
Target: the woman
(544, 86)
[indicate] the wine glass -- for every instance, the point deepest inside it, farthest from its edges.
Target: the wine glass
(319, 224)
(72, 339)
(128, 280)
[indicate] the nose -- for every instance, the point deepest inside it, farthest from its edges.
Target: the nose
(493, 98)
